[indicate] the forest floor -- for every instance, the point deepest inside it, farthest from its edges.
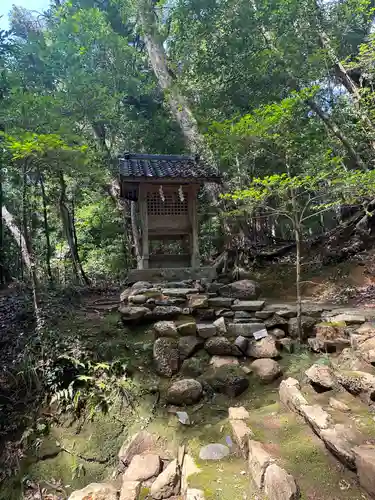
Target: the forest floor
(77, 452)
(74, 452)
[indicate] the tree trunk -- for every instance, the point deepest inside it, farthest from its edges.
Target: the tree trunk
(114, 192)
(178, 104)
(337, 132)
(297, 233)
(135, 233)
(28, 244)
(46, 227)
(79, 263)
(66, 220)
(15, 231)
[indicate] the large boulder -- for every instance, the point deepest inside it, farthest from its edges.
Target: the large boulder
(307, 326)
(166, 356)
(266, 369)
(95, 491)
(167, 483)
(321, 377)
(165, 329)
(137, 444)
(229, 380)
(279, 485)
(341, 440)
(358, 383)
(220, 346)
(184, 392)
(318, 418)
(263, 348)
(143, 467)
(242, 289)
(130, 314)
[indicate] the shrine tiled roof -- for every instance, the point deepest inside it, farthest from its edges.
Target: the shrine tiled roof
(148, 166)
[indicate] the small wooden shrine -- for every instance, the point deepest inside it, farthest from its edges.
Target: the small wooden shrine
(165, 189)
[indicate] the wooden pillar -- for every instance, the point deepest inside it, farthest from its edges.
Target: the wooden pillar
(193, 216)
(144, 225)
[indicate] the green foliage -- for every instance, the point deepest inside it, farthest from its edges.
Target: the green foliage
(97, 387)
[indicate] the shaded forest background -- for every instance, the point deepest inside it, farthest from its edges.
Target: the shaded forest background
(258, 88)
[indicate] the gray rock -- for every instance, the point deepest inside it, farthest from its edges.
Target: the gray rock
(229, 380)
(198, 301)
(279, 485)
(139, 285)
(165, 329)
(221, 326)
(244, 329)
(275, 321)
(206, 330)
(242, 343)
(130, 490)
(138, 299)
(222, 302)
(263, 314)
(348, 318)
(143, 467)
(133, 313)
(137, 444)
(338, 405)
(238, 315)
(188, 345)
(179, 292)
(263, 348)
(161, 312)
(321, 377)
(205, 314)
(278, 333)
(259, 460)
(195, 366)
(290, 394)
(188, 328)
(215, 451)
(241, 434)
(266, 369)
(184, 392)
(318, 418)
(218, 361)
(220, 346)
(242, 289)
(166, 356)
(167, 483)
(285, 345)
(238, 413)
(248, 305)
(341, 440)
(95, 491)
(227, 314)
(365, 464)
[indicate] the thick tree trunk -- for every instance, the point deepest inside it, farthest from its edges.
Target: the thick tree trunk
(337, 132)
(178, 104)
(46, 227)
(15, 231)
